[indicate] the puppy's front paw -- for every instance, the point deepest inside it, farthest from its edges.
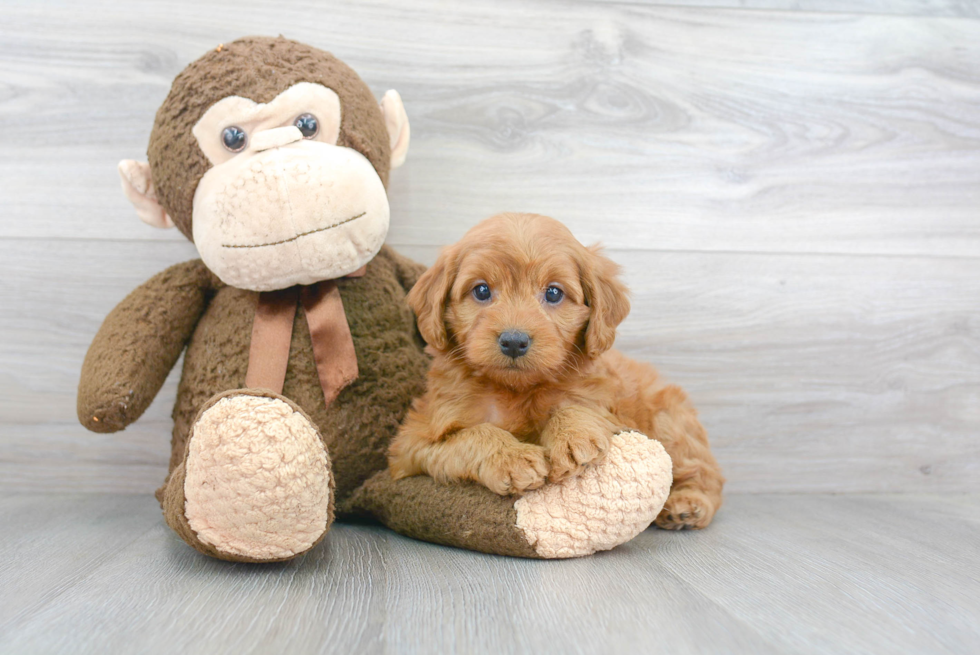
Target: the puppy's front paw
(571, 451)
(686, 509)
(514, 469)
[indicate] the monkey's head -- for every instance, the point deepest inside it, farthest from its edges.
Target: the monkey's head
(273, 158)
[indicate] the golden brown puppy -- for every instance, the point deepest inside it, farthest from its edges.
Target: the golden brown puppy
(524, 388)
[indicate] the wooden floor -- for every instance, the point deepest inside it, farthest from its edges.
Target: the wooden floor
(774, 574)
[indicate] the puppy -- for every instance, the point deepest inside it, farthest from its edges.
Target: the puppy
(524, 389)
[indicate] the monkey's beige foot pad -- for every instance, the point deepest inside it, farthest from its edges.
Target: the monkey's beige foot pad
(258, 482)
(607, 505)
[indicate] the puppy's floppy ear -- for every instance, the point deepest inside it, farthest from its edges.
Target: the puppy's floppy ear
(429, 296)
(607, 298)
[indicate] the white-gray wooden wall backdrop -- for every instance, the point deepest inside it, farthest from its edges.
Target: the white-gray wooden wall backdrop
(794, 193)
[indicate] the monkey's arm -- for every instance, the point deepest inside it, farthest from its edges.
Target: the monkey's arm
(137, 345)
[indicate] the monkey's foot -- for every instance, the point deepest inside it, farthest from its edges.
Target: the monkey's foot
(608, 504)
(256, 483)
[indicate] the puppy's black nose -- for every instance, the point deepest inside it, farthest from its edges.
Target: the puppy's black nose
(514, 344)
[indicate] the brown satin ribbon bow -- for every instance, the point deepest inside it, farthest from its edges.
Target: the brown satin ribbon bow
(272, 331)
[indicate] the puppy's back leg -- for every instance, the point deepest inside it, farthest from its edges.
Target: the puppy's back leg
(666, 414)
(696, 494)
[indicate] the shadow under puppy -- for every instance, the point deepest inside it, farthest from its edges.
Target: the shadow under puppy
(524, 388)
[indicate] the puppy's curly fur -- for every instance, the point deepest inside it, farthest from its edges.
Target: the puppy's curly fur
(514, 421)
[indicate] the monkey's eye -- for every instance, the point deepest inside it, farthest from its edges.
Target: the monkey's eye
(553, 295)
(308, 125)
(481, 292)
(234, 138)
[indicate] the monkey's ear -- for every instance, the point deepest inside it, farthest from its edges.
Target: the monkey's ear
(396, 120)
(137, 184)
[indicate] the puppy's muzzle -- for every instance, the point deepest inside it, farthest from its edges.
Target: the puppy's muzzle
(514, 343)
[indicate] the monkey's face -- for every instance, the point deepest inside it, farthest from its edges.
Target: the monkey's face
(283, 204)
(273, 157)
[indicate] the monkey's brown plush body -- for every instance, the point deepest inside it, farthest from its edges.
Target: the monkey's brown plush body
(273, 157)
(189, 305)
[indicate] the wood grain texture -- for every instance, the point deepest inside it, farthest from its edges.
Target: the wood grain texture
(682, 128)
(773, 574)
(946, 8)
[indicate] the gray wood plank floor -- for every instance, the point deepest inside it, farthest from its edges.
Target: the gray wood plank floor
(774, 574)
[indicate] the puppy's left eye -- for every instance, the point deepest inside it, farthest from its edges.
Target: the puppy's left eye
(553, 295)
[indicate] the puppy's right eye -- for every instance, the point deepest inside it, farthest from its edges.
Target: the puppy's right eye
(481, 292)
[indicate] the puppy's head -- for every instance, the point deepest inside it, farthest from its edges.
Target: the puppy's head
(520, 300)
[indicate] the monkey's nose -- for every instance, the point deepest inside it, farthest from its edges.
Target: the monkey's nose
(514, 344)
(276, 138)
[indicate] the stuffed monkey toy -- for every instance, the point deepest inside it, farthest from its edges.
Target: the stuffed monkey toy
(301, 356)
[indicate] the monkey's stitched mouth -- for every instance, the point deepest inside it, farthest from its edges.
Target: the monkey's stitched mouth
(293, 238)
